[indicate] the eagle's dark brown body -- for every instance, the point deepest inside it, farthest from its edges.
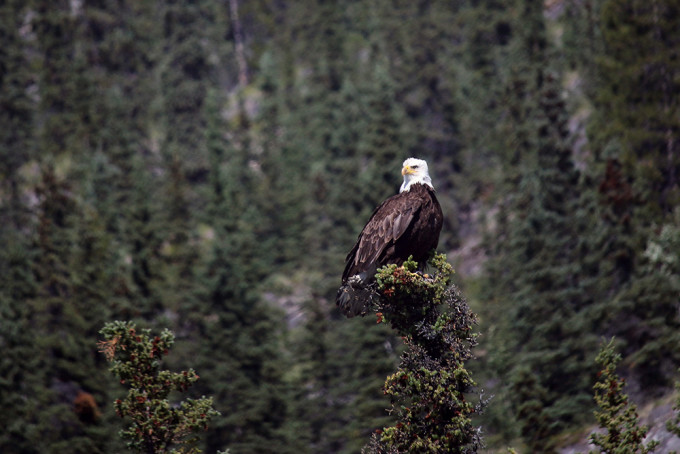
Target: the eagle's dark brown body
(406, 224)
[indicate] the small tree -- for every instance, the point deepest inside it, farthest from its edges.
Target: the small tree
(673, 425)
(157, 425)
(615, 413)
(428, 391)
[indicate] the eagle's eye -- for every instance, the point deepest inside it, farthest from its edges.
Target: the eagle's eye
(414, 166)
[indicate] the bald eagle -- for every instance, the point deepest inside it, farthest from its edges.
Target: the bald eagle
(406, 224)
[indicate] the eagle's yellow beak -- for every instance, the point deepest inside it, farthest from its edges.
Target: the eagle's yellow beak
(407, 170)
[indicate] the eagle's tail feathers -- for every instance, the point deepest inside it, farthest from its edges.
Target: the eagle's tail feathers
(355, 296)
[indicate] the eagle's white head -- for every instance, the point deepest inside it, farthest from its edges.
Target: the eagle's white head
(415, 171)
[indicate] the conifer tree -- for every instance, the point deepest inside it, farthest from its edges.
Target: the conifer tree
(636, 167)
(62, 324)
(642, 78)
(157, 425)
(673, 425)
(547, 323)
(340, 368)
(22, 384)
(430, 391)
(529, 397)
(650, 299)
(193, 56)
(71, 243)
(487, 29)
(312, 409)
(141, 240)
(17, 112)
(372, 355)
(241, 355)
(121, 43)
(281, 162)
(615, 414)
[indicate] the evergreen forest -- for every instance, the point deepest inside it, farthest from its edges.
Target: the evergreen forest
(204, 167)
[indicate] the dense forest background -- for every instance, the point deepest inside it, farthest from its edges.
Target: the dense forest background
(205, 166)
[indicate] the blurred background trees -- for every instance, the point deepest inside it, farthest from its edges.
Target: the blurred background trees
(177, 165)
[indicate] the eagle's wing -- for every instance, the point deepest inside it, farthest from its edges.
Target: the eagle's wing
(387, 224)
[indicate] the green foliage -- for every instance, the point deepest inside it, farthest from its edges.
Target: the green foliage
(21, 376)
(539, 305)
(338, 373)
(673, 425)
(615, 414)
(17, 113)
(158, 426)
(637, 115)
(240, 352)
(429, 389)
(530, 397)
(141, 179)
